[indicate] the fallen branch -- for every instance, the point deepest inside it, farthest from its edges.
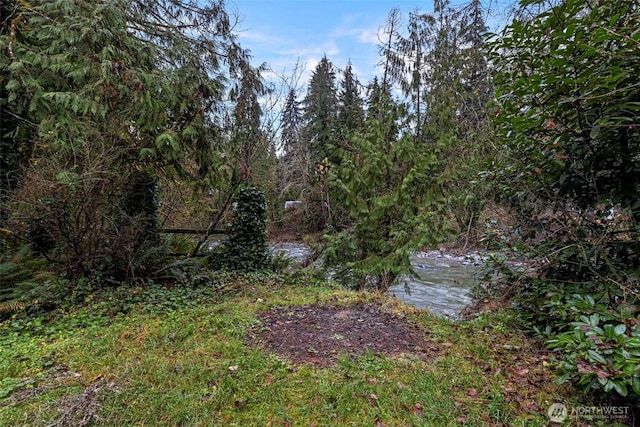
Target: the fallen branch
(191, 231)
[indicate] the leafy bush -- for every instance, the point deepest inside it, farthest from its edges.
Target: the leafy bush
(87, 223)
(602, 351)
(567, 108)
(593, 326)
(595, 330)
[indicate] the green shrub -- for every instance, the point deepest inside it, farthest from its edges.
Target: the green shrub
(592, 325)
(602, 352)
(91, 223)
(567, 104)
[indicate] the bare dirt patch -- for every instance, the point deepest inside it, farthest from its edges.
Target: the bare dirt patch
(319, 334)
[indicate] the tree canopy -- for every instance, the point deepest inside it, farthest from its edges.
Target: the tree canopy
(98, 92)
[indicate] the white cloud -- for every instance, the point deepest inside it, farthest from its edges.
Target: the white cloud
(369, 35)
(259, 37)
(308, 36)
(328, 48)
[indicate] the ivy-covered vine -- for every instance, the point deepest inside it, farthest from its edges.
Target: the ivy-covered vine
(245, 248)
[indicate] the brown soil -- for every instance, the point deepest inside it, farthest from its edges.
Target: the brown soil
(319, 334)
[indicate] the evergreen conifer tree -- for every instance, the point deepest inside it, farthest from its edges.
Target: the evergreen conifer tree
(320, 111)
(350, 104)
(295, 161)
(320, 134)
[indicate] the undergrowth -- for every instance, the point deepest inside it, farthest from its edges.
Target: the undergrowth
(592, 327)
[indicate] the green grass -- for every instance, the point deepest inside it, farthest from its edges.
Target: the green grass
(156, 356)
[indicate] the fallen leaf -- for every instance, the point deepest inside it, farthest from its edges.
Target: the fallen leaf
(373, 399)
(510, 388)
(510, 347)
(472, 393)
(417, 409)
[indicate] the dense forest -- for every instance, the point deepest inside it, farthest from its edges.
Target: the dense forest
(133, 133)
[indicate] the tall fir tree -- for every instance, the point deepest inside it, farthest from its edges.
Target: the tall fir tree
(390, 59)
(387, 183)
(247, 140)
(440, 65)
(320, 132)
(475, 73)
(291, 123)
(350, 104)
(350, 120)
(412, 69)
(399, 177)
(320, 111)
(295, 160)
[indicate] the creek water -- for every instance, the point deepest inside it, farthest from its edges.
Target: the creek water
(441, 284)
(296, 251)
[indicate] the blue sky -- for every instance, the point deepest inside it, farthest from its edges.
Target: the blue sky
(281, 31)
